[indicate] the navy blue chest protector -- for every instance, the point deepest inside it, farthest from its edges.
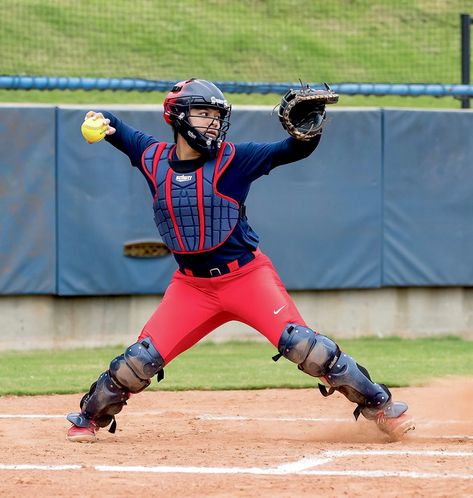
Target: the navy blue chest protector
(190, 213)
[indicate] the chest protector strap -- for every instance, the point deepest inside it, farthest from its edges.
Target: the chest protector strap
(191, 214)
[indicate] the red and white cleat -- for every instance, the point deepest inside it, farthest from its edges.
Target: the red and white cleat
(395, 428)
(83, 434)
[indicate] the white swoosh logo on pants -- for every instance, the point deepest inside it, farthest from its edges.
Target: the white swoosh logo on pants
(279, 309)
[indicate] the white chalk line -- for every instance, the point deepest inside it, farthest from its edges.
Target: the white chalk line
(29, 416)
(28, 466)
(278, 471)
(235, 418)
(198, 417)
(300, 467)
(303, 464)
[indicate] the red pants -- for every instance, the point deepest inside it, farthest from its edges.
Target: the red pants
(192, 307)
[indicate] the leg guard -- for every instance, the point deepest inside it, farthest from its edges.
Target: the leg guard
(128, 373)
(319, 356)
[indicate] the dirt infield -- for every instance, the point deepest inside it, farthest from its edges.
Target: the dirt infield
(287, 443)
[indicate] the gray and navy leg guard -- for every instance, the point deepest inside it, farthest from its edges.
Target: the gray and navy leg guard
(128, 373)
(319, 356)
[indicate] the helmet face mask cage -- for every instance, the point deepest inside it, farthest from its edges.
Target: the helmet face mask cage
(178, 107)
(181, 111)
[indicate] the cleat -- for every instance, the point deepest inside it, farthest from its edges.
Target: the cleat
(83, 434)
(395, 428)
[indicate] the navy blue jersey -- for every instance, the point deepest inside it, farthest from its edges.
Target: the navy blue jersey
(251, 161)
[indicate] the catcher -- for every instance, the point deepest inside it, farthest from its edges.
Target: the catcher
(199, 185)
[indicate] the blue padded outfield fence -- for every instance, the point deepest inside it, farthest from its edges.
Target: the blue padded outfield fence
(128, 84)
(386, 200)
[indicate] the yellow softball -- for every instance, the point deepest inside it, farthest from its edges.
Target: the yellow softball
(93, 130)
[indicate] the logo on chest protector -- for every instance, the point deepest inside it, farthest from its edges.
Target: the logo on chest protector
(183, 178)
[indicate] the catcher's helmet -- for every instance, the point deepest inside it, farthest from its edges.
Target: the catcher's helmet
(193, 93)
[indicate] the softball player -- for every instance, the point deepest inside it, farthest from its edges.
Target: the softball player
(199, 185)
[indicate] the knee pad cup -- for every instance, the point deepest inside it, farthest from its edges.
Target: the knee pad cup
(313, 353)
(354, 382)
(134, 369)
(104, 400)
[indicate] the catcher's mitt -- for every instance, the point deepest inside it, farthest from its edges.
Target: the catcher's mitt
(302, 111)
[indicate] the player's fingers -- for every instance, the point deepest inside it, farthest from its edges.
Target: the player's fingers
(110, 130)
(107, 124)
(94, 115)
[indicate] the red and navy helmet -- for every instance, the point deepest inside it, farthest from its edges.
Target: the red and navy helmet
(190, 94)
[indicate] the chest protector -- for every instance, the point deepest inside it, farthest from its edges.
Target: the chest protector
(190, 213)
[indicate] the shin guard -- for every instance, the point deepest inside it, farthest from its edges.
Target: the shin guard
(319, 356)
(128, 373)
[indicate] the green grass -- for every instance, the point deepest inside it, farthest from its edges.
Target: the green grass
(102, 98)
(237, 365)
(277, 40)
(248, 40)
